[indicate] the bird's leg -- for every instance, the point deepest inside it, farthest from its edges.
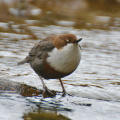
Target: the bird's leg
(64, 91)
(46, 91)
(44, 86)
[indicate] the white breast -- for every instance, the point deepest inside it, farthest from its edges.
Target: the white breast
(66, 59)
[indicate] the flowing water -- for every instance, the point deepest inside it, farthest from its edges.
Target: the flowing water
(94, 87)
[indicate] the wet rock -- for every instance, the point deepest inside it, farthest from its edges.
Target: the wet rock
(44, 116)
(22, 89)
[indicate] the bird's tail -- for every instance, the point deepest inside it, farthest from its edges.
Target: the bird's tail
(23, 61)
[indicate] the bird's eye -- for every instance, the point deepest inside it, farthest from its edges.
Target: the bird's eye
(67, 41)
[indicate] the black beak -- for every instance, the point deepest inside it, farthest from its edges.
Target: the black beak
(77, 41)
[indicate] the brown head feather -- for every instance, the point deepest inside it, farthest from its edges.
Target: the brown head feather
(62, 40)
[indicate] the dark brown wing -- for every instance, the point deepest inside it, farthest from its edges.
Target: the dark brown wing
(38, 55)
(41, 47)
(40, 50)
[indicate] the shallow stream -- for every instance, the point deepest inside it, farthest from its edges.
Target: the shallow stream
(94, 87)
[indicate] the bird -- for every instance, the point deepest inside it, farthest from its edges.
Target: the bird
(54, 57)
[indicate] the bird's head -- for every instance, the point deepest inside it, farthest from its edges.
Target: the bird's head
(62, 40)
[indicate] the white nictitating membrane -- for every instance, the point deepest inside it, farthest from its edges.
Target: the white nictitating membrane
(66, 59)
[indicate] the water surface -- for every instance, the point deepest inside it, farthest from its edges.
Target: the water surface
(95, 82)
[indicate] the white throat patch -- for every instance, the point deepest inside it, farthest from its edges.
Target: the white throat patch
(66, 59)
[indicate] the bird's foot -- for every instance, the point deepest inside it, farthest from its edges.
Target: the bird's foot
(64, 93)
(48, 93)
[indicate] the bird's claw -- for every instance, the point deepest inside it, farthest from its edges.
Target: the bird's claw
(48, 93)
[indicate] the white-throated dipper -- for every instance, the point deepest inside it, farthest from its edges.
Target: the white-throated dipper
(54, 58)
